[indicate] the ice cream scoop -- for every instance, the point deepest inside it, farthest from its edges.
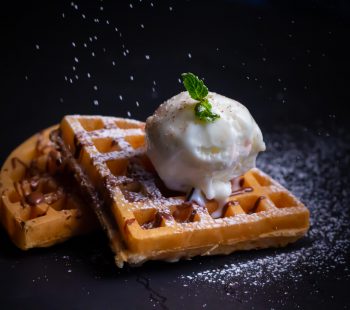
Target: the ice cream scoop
(190, 153)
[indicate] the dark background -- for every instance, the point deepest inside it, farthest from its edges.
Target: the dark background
(287, 61)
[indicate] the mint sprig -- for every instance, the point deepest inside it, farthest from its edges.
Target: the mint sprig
(198, 91)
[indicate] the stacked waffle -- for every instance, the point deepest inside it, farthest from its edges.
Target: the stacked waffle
(146, 221)
(41, 202)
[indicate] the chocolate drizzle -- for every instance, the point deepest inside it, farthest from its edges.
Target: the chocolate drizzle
(54, 160)
(157, 220)
(42, 145)
(256, 204)
(42, 180)
(185, 213)
(15, 160)
(114, 142)
(227, 205)
(154, 223)
(145, 180)
(34, 198)
(79, 143)
(34, 183)
(242, 191)
(129, 222)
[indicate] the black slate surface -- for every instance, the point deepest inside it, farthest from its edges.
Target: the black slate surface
(287, 62)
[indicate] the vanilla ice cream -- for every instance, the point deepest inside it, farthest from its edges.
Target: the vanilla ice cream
(189, 153)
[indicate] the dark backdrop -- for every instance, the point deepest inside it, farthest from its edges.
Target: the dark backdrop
(287, 61)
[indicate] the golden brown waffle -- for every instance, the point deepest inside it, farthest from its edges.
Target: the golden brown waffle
(38, 206)
(145, 221)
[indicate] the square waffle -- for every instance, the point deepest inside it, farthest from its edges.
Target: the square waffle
(38, 207)
(146, 221)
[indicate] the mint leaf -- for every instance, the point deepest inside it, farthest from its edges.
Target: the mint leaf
(203, 113)
(194, 86)
(199, 110)
(206, 104)
(198, 91)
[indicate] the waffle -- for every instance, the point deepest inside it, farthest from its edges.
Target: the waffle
(146, 221)
(38, 207)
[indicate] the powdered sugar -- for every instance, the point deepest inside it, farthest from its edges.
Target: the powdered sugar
(316, 169)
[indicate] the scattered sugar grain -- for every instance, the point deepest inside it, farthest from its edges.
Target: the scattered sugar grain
(305, 168)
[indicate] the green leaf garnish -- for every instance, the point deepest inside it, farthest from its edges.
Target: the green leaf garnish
(198, 91)
(204, 114)
(194, 86)
(206, 104)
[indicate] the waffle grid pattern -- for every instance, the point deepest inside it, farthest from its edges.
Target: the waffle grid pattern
(153, 221)
(35, 209)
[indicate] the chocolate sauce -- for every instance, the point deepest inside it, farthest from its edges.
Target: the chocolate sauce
(35, 198)
(129, 222)
(34, 183)
(114, 142)
(28, 187)
(53, 197)
(157, 220)
(16, 159)
(41, 145)
(256, 204)
(54, 160)
(132, 191)
(137, 172)
(86, 189)
(242, 191)
(79, 143)
(78, 146)
(224, 209)
(38, 142)
(185, 212)
(227, 205)
(231, 203)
